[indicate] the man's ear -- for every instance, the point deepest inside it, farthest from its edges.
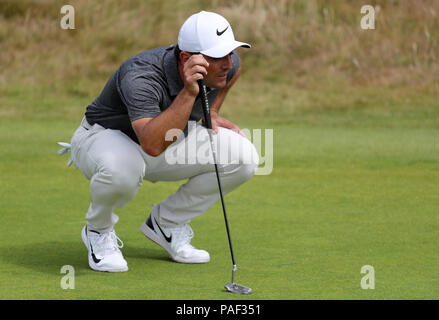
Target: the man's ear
(184, 56)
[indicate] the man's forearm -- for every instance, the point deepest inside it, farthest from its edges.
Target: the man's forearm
(175, 116)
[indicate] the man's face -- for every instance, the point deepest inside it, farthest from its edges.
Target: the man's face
(217, 71)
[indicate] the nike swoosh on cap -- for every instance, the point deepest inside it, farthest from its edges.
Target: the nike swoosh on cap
(218, 33)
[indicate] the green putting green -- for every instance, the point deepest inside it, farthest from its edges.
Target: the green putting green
(339, 198)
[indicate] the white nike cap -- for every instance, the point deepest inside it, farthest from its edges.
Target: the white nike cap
(208, 33)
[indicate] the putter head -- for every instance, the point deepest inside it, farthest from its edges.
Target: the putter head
(237, 288)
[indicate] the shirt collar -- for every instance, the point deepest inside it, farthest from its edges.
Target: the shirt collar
(173, 79)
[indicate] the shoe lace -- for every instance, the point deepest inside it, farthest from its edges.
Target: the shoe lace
(183, 235)
(109, 241)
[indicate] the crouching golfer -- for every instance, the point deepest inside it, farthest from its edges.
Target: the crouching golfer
(124, 139)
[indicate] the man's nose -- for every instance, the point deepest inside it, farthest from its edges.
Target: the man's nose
(227, 62)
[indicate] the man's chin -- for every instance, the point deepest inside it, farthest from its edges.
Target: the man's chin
(218, 84)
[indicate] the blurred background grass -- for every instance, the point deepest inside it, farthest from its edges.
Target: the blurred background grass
(310, 61)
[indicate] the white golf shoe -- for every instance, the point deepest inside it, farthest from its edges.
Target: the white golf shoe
(175, 240)
(104, 251)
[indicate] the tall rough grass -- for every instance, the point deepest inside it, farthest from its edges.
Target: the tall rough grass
(303, 42)
(315, 37)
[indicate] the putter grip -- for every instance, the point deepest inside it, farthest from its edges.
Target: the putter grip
(205, 103)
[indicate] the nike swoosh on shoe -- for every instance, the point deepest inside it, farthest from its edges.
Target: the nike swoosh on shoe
(96, 260)
(167, 238)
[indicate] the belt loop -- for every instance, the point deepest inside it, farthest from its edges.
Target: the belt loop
(85, 124)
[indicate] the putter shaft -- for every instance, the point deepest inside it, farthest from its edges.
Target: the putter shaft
(206, 111)
(231, 286)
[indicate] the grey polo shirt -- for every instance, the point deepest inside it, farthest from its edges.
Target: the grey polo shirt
(144, 86)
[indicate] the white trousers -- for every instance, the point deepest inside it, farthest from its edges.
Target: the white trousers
(116, 167)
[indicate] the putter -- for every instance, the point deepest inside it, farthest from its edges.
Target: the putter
(230, 286)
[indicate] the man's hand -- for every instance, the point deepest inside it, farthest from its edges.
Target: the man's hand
(218, 121)
(151, 132)
(195, 68)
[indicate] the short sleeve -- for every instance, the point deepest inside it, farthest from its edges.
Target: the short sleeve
(141, 95)
(235, 65)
